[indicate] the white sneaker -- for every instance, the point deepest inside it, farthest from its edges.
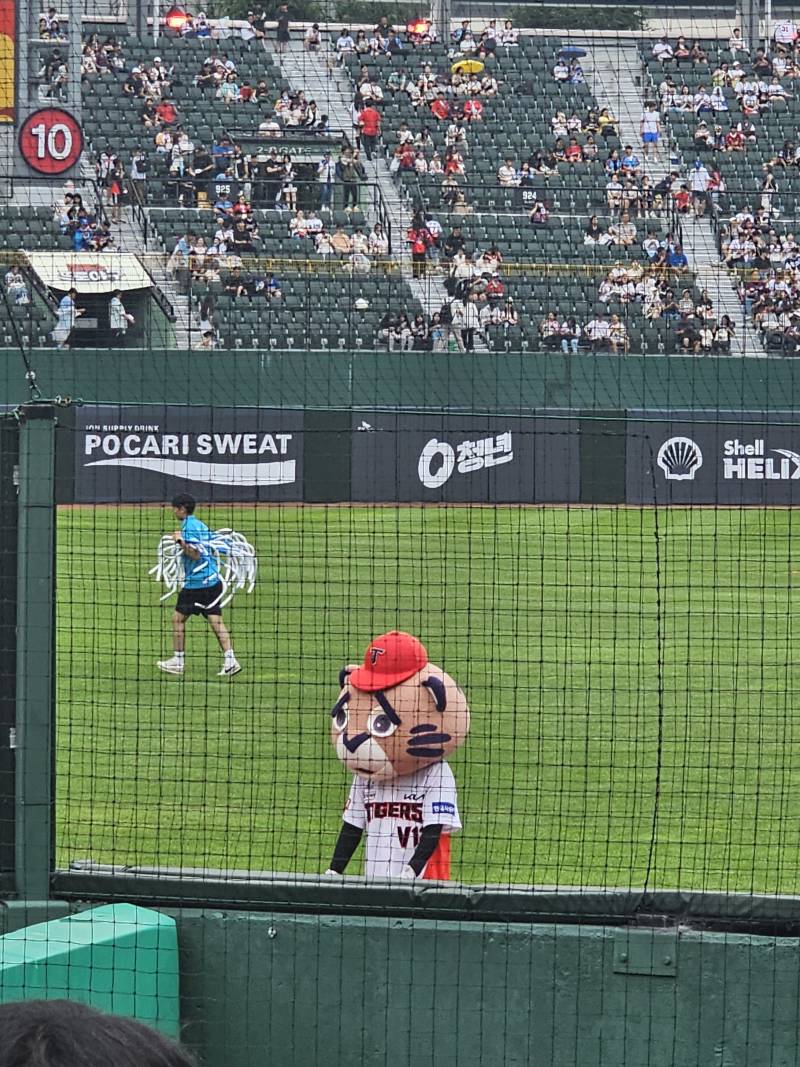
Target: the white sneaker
(228, 671)
(170, 666)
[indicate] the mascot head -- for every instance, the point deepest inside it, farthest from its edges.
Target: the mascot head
(396, 712)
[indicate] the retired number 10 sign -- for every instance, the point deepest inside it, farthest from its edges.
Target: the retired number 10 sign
(50, 141)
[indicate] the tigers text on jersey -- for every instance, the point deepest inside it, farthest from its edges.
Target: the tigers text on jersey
(393, 814)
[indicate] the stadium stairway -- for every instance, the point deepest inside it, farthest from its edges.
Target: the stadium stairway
(129, 237)
(327, 84)
(612, 71)
(700, 246)
(325, 81)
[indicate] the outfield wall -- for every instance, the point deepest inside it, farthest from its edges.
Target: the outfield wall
(145, 453)
(300, 990)
(511, 383)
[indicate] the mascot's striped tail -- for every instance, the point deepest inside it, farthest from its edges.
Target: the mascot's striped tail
(234, 555)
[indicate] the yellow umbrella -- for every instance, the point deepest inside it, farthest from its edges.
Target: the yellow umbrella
(467, 66)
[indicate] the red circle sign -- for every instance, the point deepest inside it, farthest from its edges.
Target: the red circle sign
(50, 141)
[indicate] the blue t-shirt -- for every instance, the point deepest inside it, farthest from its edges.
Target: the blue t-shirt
(202, 572)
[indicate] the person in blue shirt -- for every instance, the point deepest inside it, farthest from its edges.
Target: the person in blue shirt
(630, 162)
(676, 258)
(202, 589)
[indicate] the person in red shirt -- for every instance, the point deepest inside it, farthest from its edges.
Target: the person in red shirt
(419, 238)
(406, 156)
(495, 290)
(682, 198)
(473, 110)
(734, 141)
(573, 153)
(241, 207)
(440, 108)
(369, 122)
(166, 112)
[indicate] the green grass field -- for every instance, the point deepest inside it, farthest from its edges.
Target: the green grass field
(581, 636)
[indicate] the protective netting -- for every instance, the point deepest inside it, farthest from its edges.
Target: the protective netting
(398, 465)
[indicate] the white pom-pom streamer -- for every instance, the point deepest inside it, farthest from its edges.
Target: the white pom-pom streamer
(233, 554)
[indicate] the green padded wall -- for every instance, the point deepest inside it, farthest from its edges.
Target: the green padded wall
(439, 381)
(118, 958)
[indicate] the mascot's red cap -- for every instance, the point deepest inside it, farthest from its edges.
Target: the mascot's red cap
(389, 660)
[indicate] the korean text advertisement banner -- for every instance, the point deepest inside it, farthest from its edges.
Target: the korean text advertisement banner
(477, 459)
(130, 454)
(725, 458)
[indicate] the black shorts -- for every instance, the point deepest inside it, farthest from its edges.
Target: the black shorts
(194, 601)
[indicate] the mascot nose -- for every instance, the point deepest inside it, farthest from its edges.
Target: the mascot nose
(352, 743)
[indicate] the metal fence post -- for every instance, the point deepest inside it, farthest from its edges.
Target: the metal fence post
(35, 652)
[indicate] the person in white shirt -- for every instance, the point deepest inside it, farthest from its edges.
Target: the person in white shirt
(748, 87)
(345, 43)
(780, 65)
(785, 34)
(718, 99)
(313, 40)
(702, 100)
(775, 89)
(507, 173)
(624, 231)
(371, 91)
(16, 287)
(326, 179)
(662, 50)
(378, 242)
(434, 228)
(470, 323)
(597, 331)
(68, 312)
(561, 71)
(118, 318)
(617, 335)
(313, 224)
(650, 129)
(360, 242)
(698, 183)
(736, 43)
(651, 245)
(509, 35)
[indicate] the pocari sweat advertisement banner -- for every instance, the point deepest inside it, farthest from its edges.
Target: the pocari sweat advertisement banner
(147, 453)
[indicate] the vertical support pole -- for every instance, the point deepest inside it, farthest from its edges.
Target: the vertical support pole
(140, 27)
(35, 653)
(74, 59)
(440, 16)
(9, 445)
(750, 23)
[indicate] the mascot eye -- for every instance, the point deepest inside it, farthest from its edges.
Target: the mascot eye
(340, 716)
(380, 725)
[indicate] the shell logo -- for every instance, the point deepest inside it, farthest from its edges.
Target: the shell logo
(680, 459)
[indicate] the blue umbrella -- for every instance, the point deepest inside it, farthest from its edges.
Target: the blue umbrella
(572, 52)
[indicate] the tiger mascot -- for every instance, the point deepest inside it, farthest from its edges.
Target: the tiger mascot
(396, 719)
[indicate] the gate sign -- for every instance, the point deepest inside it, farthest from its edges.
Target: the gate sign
(50, 141)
